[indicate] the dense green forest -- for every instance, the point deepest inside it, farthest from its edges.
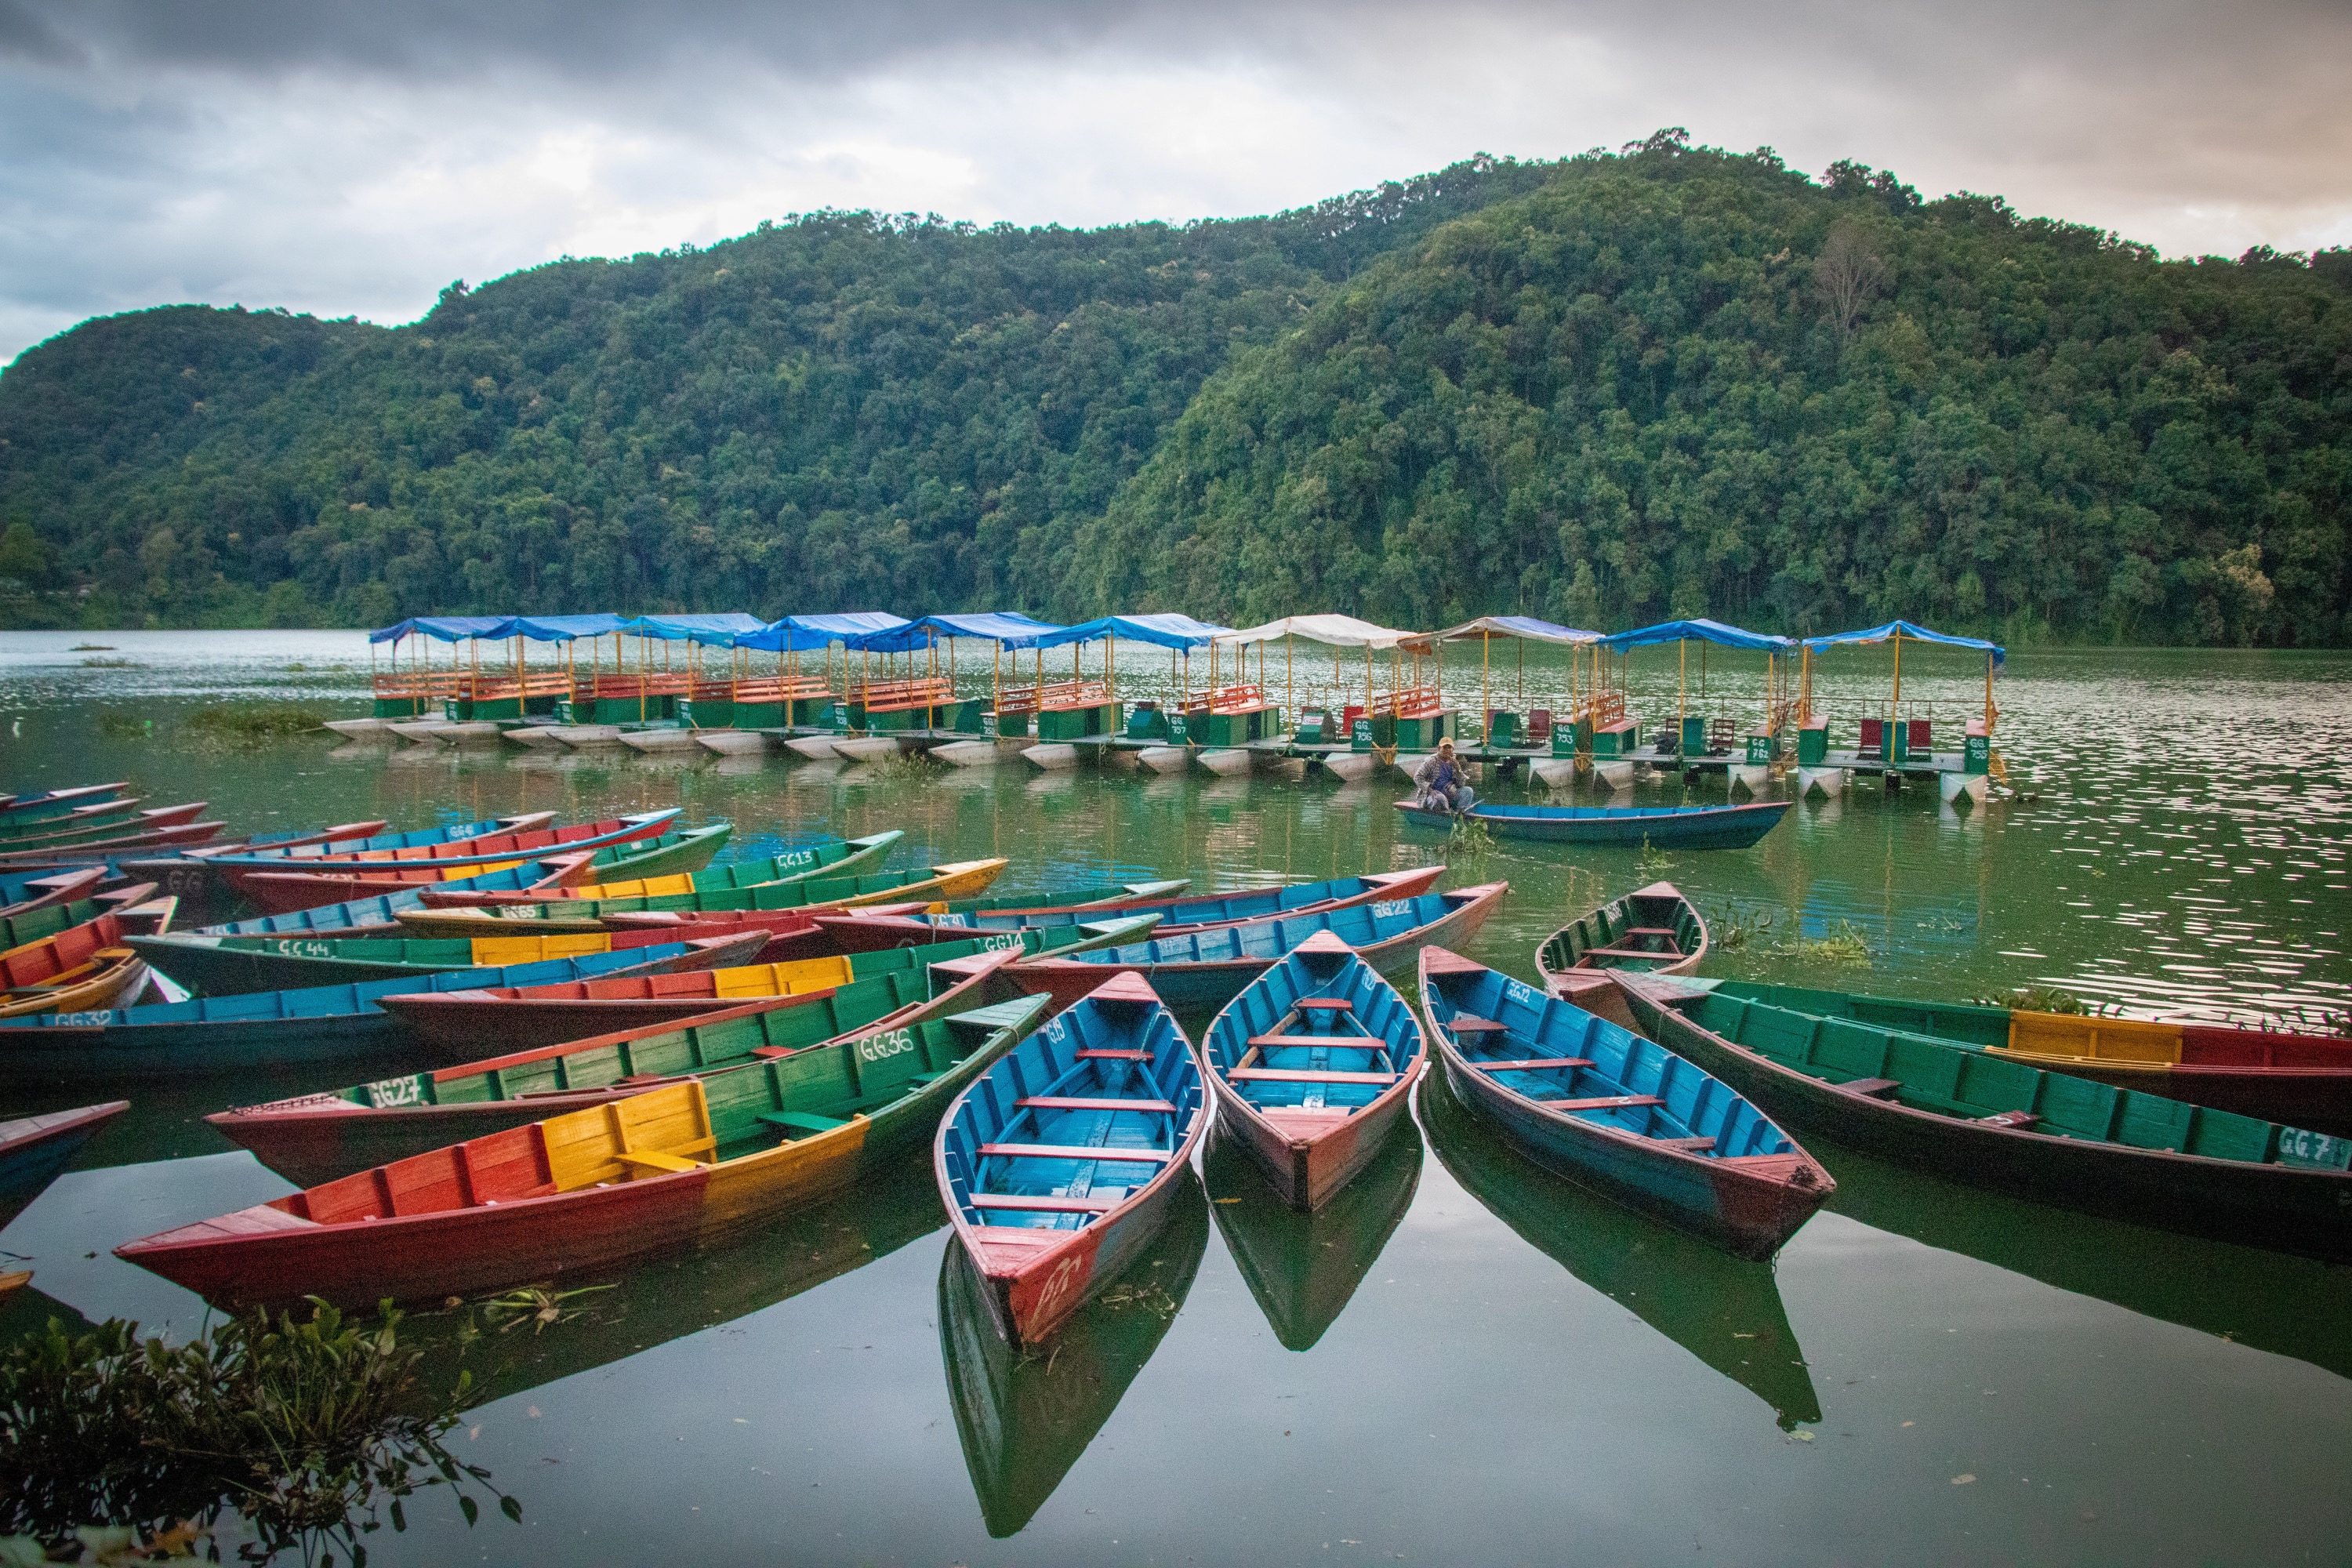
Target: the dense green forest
(1665, 381)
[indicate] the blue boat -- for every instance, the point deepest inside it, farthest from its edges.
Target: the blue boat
(1208, 968)
(857, 932)
(1062, 1162)
(1662, 826)
(360, 916)
(1599, 1104)
(273, 1028)
(34, 1149)
(1312, 1065)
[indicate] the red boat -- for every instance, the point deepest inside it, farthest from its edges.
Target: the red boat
(33, 891)
(348, 879)
(1312, 1066)
(33, 1150)
(85, 851)
(1064, 1161)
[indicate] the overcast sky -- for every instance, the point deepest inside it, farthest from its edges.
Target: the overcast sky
(352, 156)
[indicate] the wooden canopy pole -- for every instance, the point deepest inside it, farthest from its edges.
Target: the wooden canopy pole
(1898, 675)
(1988, 693)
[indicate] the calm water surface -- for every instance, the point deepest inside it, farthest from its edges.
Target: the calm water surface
(1464, 1361)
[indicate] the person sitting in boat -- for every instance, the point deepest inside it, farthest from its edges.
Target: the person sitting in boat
(1441, 782)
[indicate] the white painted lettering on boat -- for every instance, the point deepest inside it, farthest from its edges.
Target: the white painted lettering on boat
(797, 858)
(997, 941)
(876, 1048)
(1055, 1031)
(388, 1092)
(1521, 992)
(2313, 1148)
(296, 947)
(959, 922)
(1067, 1276)
(59, 1018)
(1392, 907)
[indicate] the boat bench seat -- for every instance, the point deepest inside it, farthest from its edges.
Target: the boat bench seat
(1046, 1204)
(1687, 1145)
(1326, 1003)
(1075, 1151)
(654, 1159)
(1271, 1042)
(2017, 1120)
(1304, 1075)
(799, 1121)
(1668, 951)
(1875, 1087)
(1604, 1102)
(1471, 1023)
(1109, 1054)
(1533, 1064)
(1080, 1102)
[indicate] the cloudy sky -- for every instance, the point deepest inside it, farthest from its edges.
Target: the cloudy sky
(352, 156)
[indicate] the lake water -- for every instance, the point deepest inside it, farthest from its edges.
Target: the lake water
(1465, 1360)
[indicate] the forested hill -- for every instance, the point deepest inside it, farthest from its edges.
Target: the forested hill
(1602, 391)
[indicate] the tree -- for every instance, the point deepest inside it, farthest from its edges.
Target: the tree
(1847, 275)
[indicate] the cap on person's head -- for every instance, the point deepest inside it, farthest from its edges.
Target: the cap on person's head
(1444, 745)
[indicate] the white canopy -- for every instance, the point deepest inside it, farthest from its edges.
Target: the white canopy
(1338, 631)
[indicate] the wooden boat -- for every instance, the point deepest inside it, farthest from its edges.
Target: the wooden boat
(313, 1138)
(28, 892)
(81, 967)
(838, 858)
(1656, 931)
(239, 966)
(1726, 1312)
(273, 1030)
(1600, 1105)
(1062, 1162)
(16, 829)
(1207, 969)
(41, 804)
(283, 892)
(89, 851)
(34, 1149)
(1304, 1269)
(675, 1166)
(1178, 917)
(1312, 1065)
(2004, 1124)
(927, 884)
(2304, 1080)
(670, 856)
(517, 1017)
(1025, 1420)
(95, 824)
(485, 849)
(1662, 826)
(190, 874)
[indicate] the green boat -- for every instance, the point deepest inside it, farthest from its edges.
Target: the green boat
(843, 857)
(1656, 931)
(2047, 1135)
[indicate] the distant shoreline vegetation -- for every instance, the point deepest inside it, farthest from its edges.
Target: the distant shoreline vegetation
(1667, 380)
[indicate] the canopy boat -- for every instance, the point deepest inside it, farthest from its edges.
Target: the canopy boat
(810, 707)
(1064, 1161)
(1507, 735)
(272, 1030)
(1207, 969)
(1303, 1267)
(237, 965)
(676, 1165)
(313, 1138)
(1721, 740)
(1656, 931)
(1725, 1310)
(34, 1149)
(1661, 826)
(1025, 1420)
(1312, 1065)
(80, 968)
(834, 858)
(2305, 1080)
(518, 1017)
(1178, 917)
(26, 892)
(1351, 740)
(925, 884)
(2004, 1124)
(1600, 1105)
(1899, 739)
(917, 704)
(285, 891)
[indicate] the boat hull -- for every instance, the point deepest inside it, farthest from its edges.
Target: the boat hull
(815, 748)
(866, 748)
(33, 1150)
(732, 743)
(2298, 1209)
(577, 736)
(1701, 827)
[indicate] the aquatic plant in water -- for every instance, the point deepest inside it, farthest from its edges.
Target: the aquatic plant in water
(295, 1429)
(253, 723)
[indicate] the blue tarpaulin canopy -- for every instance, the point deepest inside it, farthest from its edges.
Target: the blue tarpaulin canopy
(1009, 628)
(1917, 633)
(1526, 626)
(447, 628)
(564, 628)
(794, 633)
(1697, 631)
(722, 630)
(1168, 630)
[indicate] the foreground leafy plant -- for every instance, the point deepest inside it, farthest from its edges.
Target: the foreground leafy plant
(298, 1427)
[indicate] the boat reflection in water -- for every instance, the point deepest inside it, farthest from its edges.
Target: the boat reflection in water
(670, 1297)
(1726, 1312)
(2289, 1306)
(1026, 1418)
(1304, 1269)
